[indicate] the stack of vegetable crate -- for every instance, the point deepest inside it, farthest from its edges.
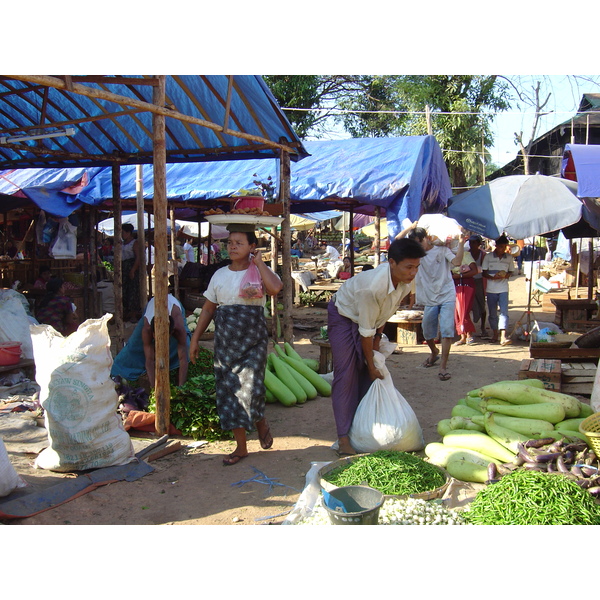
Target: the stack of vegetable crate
(489, 430)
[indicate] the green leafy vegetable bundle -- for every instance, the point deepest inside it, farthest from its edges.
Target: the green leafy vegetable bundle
(193, 406)
(533, 498)
(391, 472)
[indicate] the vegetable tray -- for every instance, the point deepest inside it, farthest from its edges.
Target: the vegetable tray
(259, 221)
(427, 495)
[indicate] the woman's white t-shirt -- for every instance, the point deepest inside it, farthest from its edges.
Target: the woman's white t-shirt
(224, 288)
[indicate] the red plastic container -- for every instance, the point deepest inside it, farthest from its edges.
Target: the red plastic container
(10, 353)
(250, 202)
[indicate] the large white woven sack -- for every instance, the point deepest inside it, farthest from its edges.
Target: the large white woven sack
(79, 399)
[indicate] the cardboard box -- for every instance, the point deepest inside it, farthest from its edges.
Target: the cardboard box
(544, 369)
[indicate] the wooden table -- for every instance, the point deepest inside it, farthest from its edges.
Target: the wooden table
(25, 364)
(325, 357)
(409, 332)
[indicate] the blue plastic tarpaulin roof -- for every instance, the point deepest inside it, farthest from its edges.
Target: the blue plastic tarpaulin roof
(56, 191)
(581, 163)
(405, 176)
(108, 119)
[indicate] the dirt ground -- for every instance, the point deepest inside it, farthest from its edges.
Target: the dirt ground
(192, 487)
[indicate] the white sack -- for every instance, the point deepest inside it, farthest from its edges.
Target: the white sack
(440, 227)
(9, 478)
(384, 420)
(79, 399)
(15, 322)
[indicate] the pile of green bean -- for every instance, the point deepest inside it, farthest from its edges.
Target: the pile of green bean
(391, 472)
(533, 498)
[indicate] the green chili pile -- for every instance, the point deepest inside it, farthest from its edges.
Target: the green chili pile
(533, 498)
(392, 473)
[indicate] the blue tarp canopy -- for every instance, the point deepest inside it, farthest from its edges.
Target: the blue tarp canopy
(108, 119)
(581, 163)
(404, 176)
(56, 191)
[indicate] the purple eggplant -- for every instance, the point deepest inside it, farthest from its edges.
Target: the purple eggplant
(538, 443)
(561, 466)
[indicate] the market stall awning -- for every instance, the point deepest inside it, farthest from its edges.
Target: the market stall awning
(107, 119)
(404, 176)
(581, 163)
(57, 191)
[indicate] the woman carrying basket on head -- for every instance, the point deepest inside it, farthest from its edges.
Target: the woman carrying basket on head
(241, 340)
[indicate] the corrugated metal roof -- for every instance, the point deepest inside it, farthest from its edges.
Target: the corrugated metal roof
(208, 117)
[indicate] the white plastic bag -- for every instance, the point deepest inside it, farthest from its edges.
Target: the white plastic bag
(9, 478)
(65, 244)
(79, 399)
(384, 420)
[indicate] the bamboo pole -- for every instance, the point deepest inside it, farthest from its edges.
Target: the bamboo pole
(377, 235)
(286, 235)
(591, 269)
(144, 255)
(274, 263)
(351, 229)
(162, 386)
(150, 286)
(118, 256)
(578, 269)
(85, 218)
(94, 262)
(428, 119)
(174, 254)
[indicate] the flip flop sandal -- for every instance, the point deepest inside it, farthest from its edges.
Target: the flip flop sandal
(266, 441)
(233, 459)
(444, 376)
(429, 363)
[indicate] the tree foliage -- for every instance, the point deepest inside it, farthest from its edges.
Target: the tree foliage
(394, 105)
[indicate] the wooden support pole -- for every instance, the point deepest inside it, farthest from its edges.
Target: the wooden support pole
(162, 386)
(286, 235)
(118, 256)
(590, 294)
(87, 251)
(377, 235)
(144, 254)
(174, 254)
(274, 263)
(93, 221)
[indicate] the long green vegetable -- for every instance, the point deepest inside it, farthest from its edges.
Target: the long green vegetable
(533, 498)
(390, 472)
